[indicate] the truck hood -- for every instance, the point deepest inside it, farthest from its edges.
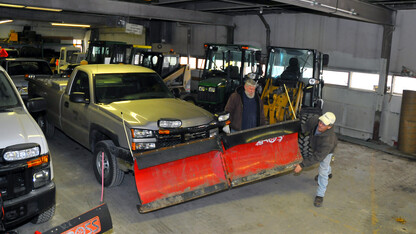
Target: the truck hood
(213, 82)
(147, 112)
(18, 127)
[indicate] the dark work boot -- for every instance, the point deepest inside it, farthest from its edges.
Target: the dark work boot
(318, 201)
(329, 177)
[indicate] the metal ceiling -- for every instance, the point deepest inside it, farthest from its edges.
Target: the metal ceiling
(201, 11)
(232, 7)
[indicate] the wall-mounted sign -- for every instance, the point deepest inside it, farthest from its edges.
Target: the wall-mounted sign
(134, 28)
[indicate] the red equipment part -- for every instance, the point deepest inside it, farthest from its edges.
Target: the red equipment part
(173, 175)
(249, 162)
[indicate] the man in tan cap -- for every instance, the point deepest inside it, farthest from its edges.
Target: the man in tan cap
(323, 142)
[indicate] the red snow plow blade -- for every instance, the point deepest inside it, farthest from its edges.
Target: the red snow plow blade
(262, 152)
(177, 174)
(173, 175)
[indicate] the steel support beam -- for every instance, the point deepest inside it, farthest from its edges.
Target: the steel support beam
(351, 9)
(127, 9)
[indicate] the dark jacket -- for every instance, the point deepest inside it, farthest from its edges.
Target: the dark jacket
(235, 107)
(321, 145)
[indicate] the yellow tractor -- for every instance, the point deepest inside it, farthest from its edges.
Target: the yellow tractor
(293, 83)
(293, 87)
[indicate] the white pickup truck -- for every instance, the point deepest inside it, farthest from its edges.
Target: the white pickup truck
(115, 110)
(26, 186)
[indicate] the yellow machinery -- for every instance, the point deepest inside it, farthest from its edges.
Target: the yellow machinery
(281, 102)
(293, 82)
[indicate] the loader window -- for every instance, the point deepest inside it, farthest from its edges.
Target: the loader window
(280, 60)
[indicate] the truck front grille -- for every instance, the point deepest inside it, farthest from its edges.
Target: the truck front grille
(170, 140)
(205, 96)
(15, 184)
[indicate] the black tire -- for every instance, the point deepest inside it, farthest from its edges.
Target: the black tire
(47, 127)
(113, 176)
(44, 216)
(304, 138)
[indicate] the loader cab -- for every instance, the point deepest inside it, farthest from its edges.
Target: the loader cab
(226, 67)
(294, 74)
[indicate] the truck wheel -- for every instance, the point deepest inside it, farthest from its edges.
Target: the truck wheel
(113, 176)
(47, 127)
(304, 139)
(44, 216)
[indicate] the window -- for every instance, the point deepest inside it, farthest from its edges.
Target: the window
(183, 60)
(364, 81)
(336, 77)
(201, 63)
(77, 43)
(401, 83)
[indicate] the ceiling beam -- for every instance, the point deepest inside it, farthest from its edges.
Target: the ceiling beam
(352, 9)
(127, 9)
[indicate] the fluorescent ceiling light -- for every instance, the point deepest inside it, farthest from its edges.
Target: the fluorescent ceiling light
(43, 9)
(11, 5)
(71, 25)
(5, 21)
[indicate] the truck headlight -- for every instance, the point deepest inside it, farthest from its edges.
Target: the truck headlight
(143, 145)
(201, 88)
(169, 123)
(223, 117)
(41, 178)
(141, 133)
(21, 152)
(211, 89)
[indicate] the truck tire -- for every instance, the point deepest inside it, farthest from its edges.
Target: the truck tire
(44, 216)
(304, 139)
(47, 127)
(113, 176)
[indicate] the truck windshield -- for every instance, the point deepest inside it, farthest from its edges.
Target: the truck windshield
(297, 63)
(28, 67)
(8, 98)
(129, 86)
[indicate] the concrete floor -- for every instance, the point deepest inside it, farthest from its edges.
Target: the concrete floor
(370, 189)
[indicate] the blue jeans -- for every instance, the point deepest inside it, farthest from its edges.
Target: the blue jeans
(324, 171)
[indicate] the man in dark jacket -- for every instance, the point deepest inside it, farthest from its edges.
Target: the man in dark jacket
(245, 107)
(323, 142)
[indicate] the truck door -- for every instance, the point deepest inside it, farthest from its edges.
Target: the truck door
(74, 115)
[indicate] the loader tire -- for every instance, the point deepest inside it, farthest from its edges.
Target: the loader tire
(304, 138)
(113, 176)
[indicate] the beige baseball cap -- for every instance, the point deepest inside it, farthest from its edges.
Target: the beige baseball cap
(328, 118)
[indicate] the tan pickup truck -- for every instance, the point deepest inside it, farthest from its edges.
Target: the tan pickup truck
(116, 110)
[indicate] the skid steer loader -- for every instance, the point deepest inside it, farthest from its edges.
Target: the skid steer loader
(293, 86)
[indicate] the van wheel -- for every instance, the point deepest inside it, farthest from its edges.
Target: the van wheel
(44, 216)
(47, 127)
(113, 176)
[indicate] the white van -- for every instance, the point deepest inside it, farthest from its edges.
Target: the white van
(26, 174)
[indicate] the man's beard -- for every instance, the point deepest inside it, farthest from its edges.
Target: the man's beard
(248, 95)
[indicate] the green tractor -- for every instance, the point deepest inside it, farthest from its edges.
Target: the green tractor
(225, 68)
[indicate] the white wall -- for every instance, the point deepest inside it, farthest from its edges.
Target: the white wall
(350, 44)
(403, 51)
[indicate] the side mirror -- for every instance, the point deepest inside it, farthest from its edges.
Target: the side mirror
(78, 97)
(325, 60)
(36, 104)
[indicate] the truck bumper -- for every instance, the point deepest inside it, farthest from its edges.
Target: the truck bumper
(23, 208)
